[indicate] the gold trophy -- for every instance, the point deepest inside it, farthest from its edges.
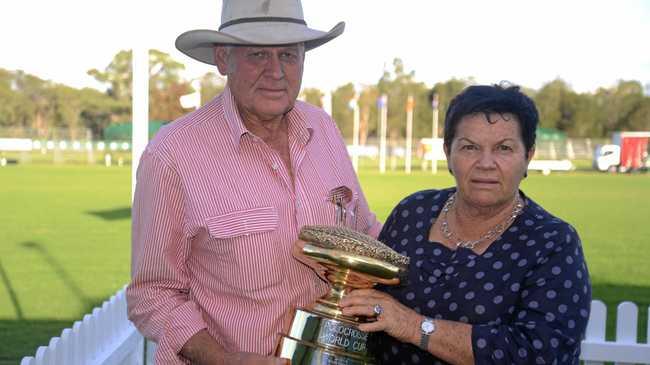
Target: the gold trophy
(320, 334)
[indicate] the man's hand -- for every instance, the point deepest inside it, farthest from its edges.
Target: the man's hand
(202, 349)
(252, 359)
(297, 253)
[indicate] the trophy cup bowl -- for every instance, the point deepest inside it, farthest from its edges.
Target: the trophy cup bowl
(320, 333)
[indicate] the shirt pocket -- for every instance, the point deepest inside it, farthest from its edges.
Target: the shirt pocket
(243, 223)
(347, 212)
(247, 248)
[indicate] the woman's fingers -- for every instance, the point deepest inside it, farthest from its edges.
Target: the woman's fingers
(365, 310)
(373, 326)
(363, 296)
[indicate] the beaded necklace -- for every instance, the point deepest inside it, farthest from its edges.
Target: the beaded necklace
(493, 232)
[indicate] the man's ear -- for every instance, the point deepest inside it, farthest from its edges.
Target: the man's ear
(221, 59)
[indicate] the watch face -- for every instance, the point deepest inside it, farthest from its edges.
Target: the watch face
(427, 326)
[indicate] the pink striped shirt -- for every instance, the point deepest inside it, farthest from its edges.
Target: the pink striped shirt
(214, 219)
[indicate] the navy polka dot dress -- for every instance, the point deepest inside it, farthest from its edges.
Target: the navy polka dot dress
(527, 296)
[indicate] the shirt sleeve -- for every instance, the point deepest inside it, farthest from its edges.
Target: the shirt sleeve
(549, 321)
(157, 297)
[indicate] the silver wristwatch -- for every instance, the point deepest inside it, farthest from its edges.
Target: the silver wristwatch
(427, 327)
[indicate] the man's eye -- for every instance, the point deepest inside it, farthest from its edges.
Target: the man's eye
(289, 56)
(468, 147)
(504, 147)
(259, 54)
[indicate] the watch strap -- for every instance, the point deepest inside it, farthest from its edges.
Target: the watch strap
(424, 341)
(424, 336)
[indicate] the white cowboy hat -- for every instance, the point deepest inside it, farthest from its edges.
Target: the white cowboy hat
(255, 22)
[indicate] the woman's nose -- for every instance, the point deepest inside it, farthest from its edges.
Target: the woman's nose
(486, 160)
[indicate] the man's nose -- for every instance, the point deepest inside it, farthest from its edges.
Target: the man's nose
(274, 67)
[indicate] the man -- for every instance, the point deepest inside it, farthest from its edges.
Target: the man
(223, 192)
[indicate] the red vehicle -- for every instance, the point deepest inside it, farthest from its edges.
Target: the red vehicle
(628, 152)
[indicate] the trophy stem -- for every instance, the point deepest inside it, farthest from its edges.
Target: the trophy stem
(342, 281)
(320, 334)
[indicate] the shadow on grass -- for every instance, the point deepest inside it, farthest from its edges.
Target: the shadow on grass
(112, 214)
(60, 271)
(11, 292)
(21, 337)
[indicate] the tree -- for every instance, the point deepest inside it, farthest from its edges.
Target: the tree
(341, 111)
(398, 85)
(165, 86)
(66, 109)
(39, 106)
(211, 85)
(313, 96)
(368, 112)
(165, 83)
(117, 75)
(639, 119)
(618, 105)
(445, 91)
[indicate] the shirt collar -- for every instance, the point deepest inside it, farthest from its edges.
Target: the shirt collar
(232, 117)
(300, 127)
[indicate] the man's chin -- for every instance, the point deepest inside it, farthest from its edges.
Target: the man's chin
(275, 112)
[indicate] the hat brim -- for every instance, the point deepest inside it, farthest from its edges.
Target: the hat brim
(199, 44)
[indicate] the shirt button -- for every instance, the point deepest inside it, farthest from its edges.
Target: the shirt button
(275, 166)
(297, 203)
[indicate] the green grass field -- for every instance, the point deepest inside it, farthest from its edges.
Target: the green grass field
(65, 230)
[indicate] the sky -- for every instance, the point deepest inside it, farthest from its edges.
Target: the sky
(589, 44)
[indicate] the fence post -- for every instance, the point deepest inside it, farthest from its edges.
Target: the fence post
(596, 326)
(626, 323)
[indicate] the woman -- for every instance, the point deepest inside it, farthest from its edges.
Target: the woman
(494, 278)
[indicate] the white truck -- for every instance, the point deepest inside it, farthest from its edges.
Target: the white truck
(628, 152)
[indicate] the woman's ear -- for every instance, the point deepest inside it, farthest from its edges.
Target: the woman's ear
(529, 157)
(446, 149)
(530, 154)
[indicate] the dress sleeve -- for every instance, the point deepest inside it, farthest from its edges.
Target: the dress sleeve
(157, 296)
(384, 235)
(549, 319)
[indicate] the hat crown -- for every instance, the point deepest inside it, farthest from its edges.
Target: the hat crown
(238, 9)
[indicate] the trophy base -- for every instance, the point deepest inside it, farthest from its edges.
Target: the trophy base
(302, 353)
(317, 339)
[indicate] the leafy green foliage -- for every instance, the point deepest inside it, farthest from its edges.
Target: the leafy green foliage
(27, 101)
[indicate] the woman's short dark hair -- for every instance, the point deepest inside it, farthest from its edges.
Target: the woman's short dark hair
(488, 99)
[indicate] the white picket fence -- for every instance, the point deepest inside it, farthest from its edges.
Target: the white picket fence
(625, 350)
(107, 337)
(104, 337)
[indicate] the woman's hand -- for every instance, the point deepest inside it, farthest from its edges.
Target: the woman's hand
(395, 319)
